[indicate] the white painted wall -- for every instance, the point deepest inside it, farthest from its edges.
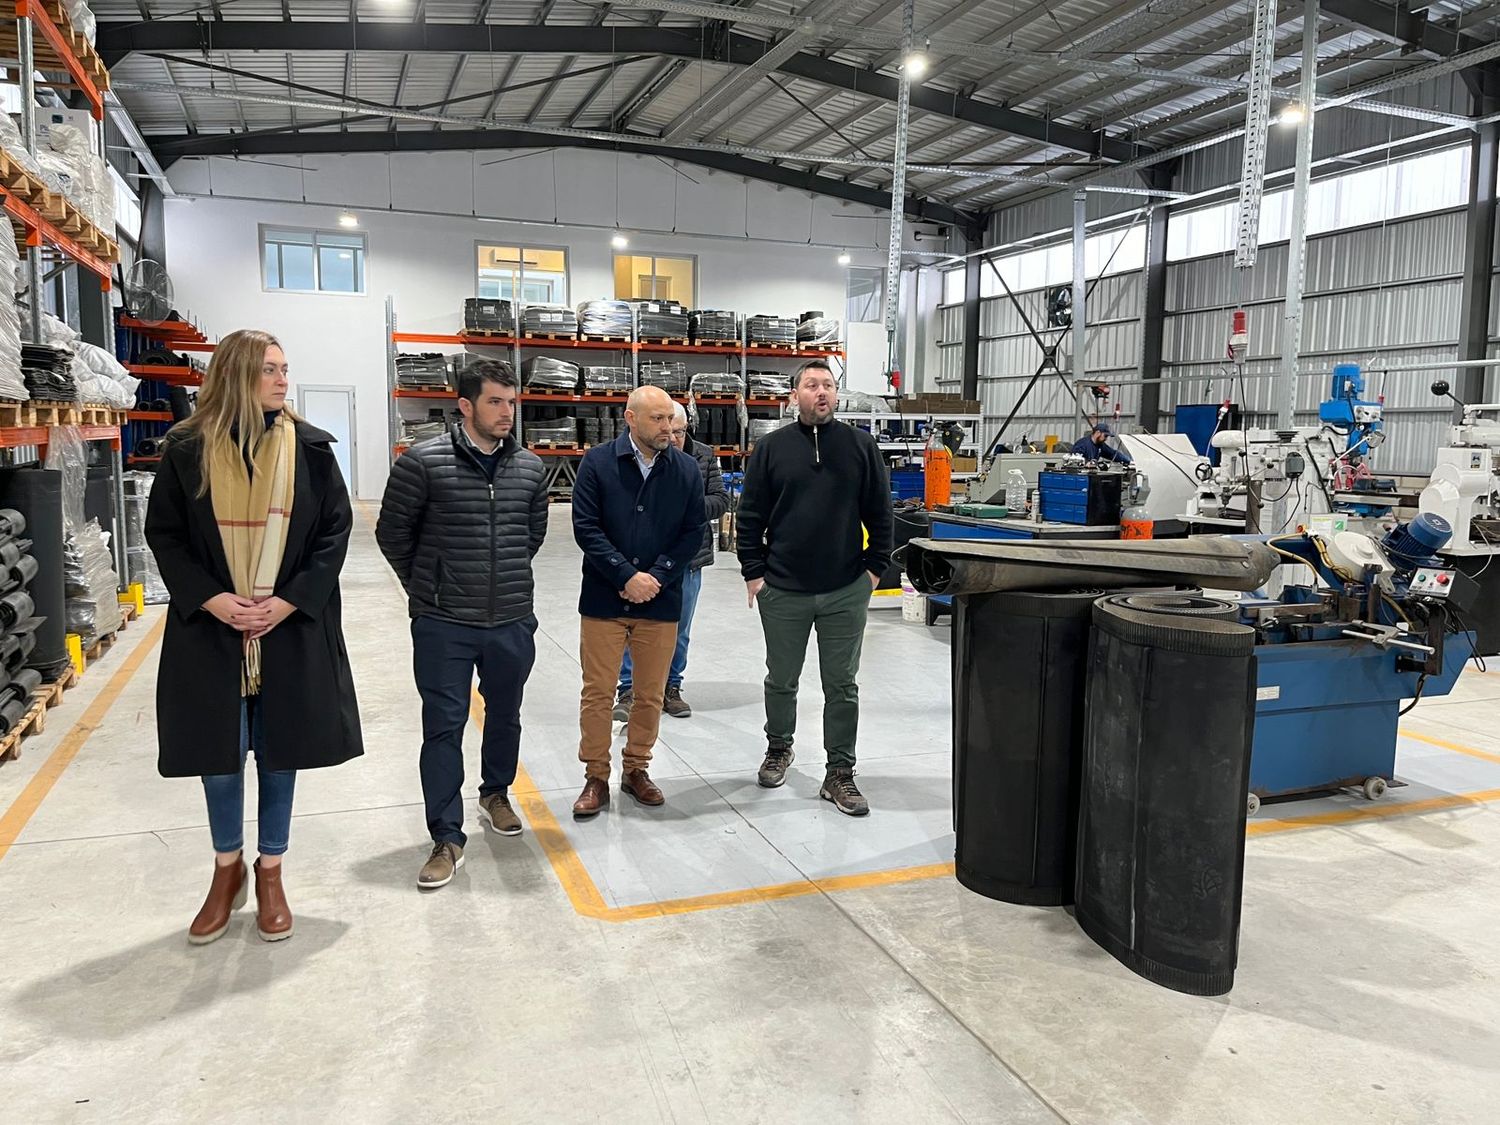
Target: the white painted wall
(423, 214)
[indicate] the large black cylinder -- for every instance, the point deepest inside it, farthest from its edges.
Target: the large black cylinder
(37, 494)
(1018, 677)
(1166, 772)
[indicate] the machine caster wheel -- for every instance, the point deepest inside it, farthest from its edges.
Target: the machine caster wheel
(1252, 805)
(1374, 788)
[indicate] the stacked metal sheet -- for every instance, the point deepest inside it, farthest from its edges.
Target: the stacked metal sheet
(611, 379)
(605, 318)
(771, 330)
(761, 427)
(769, 384)
(716, 326)
(817, 331)
(489, 314)
(48, 372)
(549, 320)
(543, 371)
(558, 430)
(670, 375)
(661, 320)
(716, 383)
(426, 371)
(434, 425)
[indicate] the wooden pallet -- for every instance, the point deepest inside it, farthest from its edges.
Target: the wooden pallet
(603, 392)
(34, 721)
(569, 446)
(772, 347)
(560, 337)
(98, 648)
(127, 614)
(717, 343)
(489, 333)
(552, 392)
(682, 340)
(97, 414)
(593, 339)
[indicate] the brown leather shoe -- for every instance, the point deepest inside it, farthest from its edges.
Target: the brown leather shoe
(226, 894)
(642, 788)
(595, 796)
(274, 917)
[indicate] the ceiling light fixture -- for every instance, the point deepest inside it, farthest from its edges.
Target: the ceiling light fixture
(347, 219)
(844, 258)
(1292, 114)
(619, 242)
(914, 65)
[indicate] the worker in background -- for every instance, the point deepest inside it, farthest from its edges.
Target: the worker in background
(638, 514)
(249, 521)
(716, 502)
(812, 489)
(1094, 446)
(462, 518)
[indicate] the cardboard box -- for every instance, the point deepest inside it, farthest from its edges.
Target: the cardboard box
(966, 464)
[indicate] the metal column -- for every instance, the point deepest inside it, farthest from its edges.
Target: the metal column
(1479, 251)
(972, 266)
(1285, 394)
(898, 190)
(26, 49)
(1154, 302)
(1080, 295)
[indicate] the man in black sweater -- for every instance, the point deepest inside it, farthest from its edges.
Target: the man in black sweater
(814, 536)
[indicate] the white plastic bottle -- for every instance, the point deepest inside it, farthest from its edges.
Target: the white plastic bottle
(1015, 493)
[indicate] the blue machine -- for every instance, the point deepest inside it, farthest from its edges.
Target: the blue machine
(1347, 409)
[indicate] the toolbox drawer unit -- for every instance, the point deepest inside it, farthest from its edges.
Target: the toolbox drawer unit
(1092, 499)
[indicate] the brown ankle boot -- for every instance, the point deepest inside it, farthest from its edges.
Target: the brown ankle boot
(226, 894)
(274, 917)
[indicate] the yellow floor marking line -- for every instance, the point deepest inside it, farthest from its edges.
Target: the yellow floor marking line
(24, 807)
(1372, 812)
(1455, 747)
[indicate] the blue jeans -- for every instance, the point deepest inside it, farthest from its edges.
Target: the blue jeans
(692, 585)
(226, 795)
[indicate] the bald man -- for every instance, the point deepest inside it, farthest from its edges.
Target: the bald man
(638, 514)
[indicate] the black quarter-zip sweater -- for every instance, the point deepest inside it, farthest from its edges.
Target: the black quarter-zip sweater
(810, 494)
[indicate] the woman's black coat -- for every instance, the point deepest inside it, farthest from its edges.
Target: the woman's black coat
(306, 705)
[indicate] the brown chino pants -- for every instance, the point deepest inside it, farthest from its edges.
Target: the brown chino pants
(601, 646)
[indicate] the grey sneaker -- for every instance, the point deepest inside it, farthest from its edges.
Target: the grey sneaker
(773, 770)
(446, 858)
(838, 787)
(496, 812)
(623, 703)
(673, 704)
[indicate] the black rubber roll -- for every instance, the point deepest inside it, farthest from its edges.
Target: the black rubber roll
(1019, 661)
(1178, 603)
(15, 607)
(37, 495)
(99, 498)
(24, 570)
(1166, 772)
(27, 680)
(10, 553)
(12, 711)
(12, 523)
(26, 640)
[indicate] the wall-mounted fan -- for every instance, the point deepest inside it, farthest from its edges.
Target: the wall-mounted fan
(148, 292)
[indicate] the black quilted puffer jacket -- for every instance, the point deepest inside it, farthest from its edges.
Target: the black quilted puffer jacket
(461, 543)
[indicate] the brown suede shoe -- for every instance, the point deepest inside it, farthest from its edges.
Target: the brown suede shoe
(642, 788)
(273, 915)
(496, 812)
(226, 894)
(595, 797)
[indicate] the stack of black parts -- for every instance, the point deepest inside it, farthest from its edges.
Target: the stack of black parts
(608, 380)
(769, 384)
(542, 372)
(49, 373)
(670, 375)
(549, 320)
(427, 371)
(609, 319)
(18, 621)
(489, 314)
(661, 320)
(37, 494)
(771, 331)
(714, 326)
(814, 330)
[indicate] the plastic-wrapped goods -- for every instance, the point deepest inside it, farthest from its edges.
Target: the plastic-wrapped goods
(661, 320)
(818, 332)
(773, 330)
(81, 175)
(549, 320)
(48, 372)
(12, 385)
(761, 427)
(605, 318)
(464, 360)
(140, 563)
(424, 371)
(769, 384)
(99, 376)
(613, 379)
(716, 383)
(714, 326)
(92, 586)
(552, 374)
(82, 18)
(670, 375)
(489, 314)
(430, 427)
(561, 430)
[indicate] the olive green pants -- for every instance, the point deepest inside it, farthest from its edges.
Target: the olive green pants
(839, 618)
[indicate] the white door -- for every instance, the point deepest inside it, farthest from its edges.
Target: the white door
(332, 409)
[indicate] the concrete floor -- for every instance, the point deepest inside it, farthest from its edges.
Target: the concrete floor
(740, 955)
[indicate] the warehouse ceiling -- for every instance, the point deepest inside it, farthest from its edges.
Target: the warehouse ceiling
(1019, 94)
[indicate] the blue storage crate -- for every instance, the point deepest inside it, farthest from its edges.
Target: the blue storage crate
(907, 484)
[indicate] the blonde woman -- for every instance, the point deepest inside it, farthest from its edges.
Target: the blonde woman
(249, 521)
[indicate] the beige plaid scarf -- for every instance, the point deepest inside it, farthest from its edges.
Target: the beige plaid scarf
(253, 513)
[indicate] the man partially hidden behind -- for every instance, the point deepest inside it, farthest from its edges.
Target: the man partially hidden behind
(812, 489)
(1094, 446)
(462, 518)
(638, 514)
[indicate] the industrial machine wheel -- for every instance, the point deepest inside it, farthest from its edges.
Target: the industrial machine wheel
(1374, 788)
(1252, 804)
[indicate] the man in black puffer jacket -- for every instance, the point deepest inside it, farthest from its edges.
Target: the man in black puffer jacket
(462, 518)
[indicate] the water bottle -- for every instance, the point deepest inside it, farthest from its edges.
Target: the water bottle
(1015, 492)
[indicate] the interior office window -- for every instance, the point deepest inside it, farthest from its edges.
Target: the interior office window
(313, 261)
(654, 278)
(953, 287)
(529, 275)
(864, 295)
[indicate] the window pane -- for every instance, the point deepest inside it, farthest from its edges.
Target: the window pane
(328, 238)
(272, 266)
(489, 287)
(864, 295)
(953, 287)
(337, 270)
(297, 267)
(300, 237)
(674, 280)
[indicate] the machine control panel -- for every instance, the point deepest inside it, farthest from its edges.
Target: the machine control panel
(1432, 582)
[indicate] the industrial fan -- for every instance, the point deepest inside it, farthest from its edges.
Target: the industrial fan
(148, 292)
(1060, 306)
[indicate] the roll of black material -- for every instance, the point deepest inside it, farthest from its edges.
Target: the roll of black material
(24, 570)
(1161, 832)
(37, 495)
(11, 713)
(12, 523)
(99, 498)
(25, 637)
(1179, 603)
(28, 680)
(15, 607)
(10, 553)
(1019, 663)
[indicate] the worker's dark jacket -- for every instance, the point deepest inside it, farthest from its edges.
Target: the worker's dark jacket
(1086, 449)
(715, 501)
(461, 541)
(306, 705)
(627, 524)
